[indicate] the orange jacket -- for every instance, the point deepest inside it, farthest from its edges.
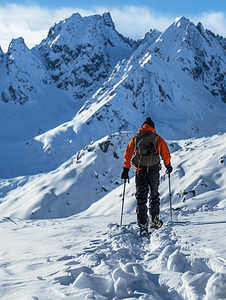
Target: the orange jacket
(162, 148)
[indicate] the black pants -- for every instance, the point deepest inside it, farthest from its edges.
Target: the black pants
(146, 181)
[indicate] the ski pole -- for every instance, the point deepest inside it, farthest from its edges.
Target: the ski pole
(170, 199)
(123, 198)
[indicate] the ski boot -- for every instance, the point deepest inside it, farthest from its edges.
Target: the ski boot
(144, 230)
(156, 223)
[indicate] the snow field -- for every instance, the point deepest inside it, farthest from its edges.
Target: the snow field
(90, 258)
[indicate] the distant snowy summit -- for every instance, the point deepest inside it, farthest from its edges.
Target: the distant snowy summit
(80, 53)
(86, 81)
(76, 57)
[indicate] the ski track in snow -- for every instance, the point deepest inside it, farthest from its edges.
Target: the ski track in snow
(91, 258)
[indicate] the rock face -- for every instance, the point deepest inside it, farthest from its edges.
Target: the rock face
(80, 53)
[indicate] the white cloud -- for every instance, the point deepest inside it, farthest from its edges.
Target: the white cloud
(30, 22)
(136, 21)
(214, 21)
(33, 22)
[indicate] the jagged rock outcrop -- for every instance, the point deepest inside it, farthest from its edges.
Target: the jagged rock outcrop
(24, 73)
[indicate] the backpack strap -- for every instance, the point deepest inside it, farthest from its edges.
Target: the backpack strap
(137, 149)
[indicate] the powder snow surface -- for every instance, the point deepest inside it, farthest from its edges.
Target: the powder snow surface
(94, 258)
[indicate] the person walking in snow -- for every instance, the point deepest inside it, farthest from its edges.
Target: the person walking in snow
(144, 151)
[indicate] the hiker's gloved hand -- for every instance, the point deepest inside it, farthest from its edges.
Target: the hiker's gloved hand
(125, 173)
(169, 168)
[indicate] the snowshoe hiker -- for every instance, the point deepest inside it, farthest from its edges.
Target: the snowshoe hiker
(144, 151)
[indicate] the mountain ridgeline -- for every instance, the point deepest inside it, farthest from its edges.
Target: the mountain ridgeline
(85, 80)
(79, 55)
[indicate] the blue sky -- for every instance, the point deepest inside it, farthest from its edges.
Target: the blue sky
(162, 6)
(132, 18)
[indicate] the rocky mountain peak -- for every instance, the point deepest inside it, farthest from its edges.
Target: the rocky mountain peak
(90, 46)
(108, 20)
(17, 51)
(181, 22)
(15, 43)
(80, 30)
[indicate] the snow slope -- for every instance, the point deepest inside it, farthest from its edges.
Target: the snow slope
(54, 247)
(91, 180)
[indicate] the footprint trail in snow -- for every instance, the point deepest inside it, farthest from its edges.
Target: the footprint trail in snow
(83, 258)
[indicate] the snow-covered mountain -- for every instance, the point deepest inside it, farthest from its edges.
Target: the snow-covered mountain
(79, 53)
(85, 75)
(69, 65)
(76, 57)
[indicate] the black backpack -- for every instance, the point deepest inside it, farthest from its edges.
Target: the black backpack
(145, 151)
